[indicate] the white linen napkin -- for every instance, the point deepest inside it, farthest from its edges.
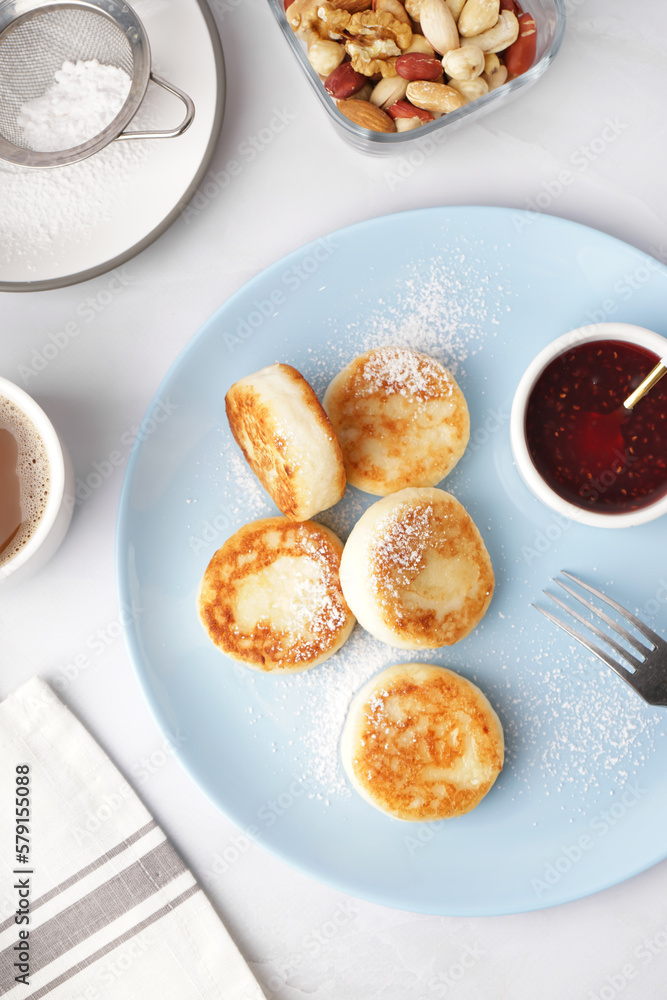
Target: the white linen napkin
(95, 904)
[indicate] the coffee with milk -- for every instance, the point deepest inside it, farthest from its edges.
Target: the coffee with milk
(24, 479)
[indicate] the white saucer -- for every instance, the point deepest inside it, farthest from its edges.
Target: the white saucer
(62, 225)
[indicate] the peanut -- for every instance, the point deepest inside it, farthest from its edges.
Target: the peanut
(344, 81)
(403, 109)
(413, 88)
(417, 66)
(521, 53)
(465, 63)
(478, 16)
(434, 96)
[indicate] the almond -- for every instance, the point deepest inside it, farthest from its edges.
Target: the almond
(351, 6)
(366, 115)
(417, 66)
(438, 25)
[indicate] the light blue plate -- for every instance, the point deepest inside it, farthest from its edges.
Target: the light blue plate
(582, 801)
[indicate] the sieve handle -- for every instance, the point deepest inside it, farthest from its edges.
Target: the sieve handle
(166, 133)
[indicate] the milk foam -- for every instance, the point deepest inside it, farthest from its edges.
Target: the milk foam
(33, 471)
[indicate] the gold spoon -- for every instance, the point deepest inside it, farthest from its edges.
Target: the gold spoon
(651, 379)
(601, 434)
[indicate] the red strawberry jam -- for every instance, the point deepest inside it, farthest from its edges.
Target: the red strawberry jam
(586, 447)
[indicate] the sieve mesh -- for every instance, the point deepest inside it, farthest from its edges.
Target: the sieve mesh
(36, 46)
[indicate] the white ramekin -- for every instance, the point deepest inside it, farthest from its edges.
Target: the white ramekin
(596, 331)
(57, 515)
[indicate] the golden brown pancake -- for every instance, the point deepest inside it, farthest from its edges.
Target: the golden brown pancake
(287, 440)
(415, 571)
(271, 596)
(401, 420)
(422, 743)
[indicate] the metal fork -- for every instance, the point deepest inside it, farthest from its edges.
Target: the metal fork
(648, 675)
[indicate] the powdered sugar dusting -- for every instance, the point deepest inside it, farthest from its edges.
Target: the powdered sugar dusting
(569, 720)
(85, 97)
(404, 372)
(402, 536)
(441, 311)
(43, 211)
(573, 731)
(430, 316)
(318, 606)
(322, 697)
(251, 497)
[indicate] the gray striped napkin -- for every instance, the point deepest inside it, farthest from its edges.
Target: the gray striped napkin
(95, 904)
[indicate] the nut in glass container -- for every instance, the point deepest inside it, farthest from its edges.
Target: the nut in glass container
(549, 18)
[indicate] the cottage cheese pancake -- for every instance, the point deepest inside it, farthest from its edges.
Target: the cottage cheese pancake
(421, 742)
(401, 420)
(287, 439)
(415, 571)
(271, 596)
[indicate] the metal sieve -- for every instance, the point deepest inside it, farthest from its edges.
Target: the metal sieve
(38, 36)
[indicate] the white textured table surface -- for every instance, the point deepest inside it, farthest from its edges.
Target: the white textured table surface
(597, 118)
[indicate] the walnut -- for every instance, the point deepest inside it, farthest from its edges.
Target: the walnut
(373, 39)
(371, 60)
(305, 20)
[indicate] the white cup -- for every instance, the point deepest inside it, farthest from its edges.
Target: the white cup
(54, 522)
(596, 331)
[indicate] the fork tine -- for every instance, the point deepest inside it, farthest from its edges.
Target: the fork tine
(596, 631)
(638, 624)
(605, 657)
(605, 618)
